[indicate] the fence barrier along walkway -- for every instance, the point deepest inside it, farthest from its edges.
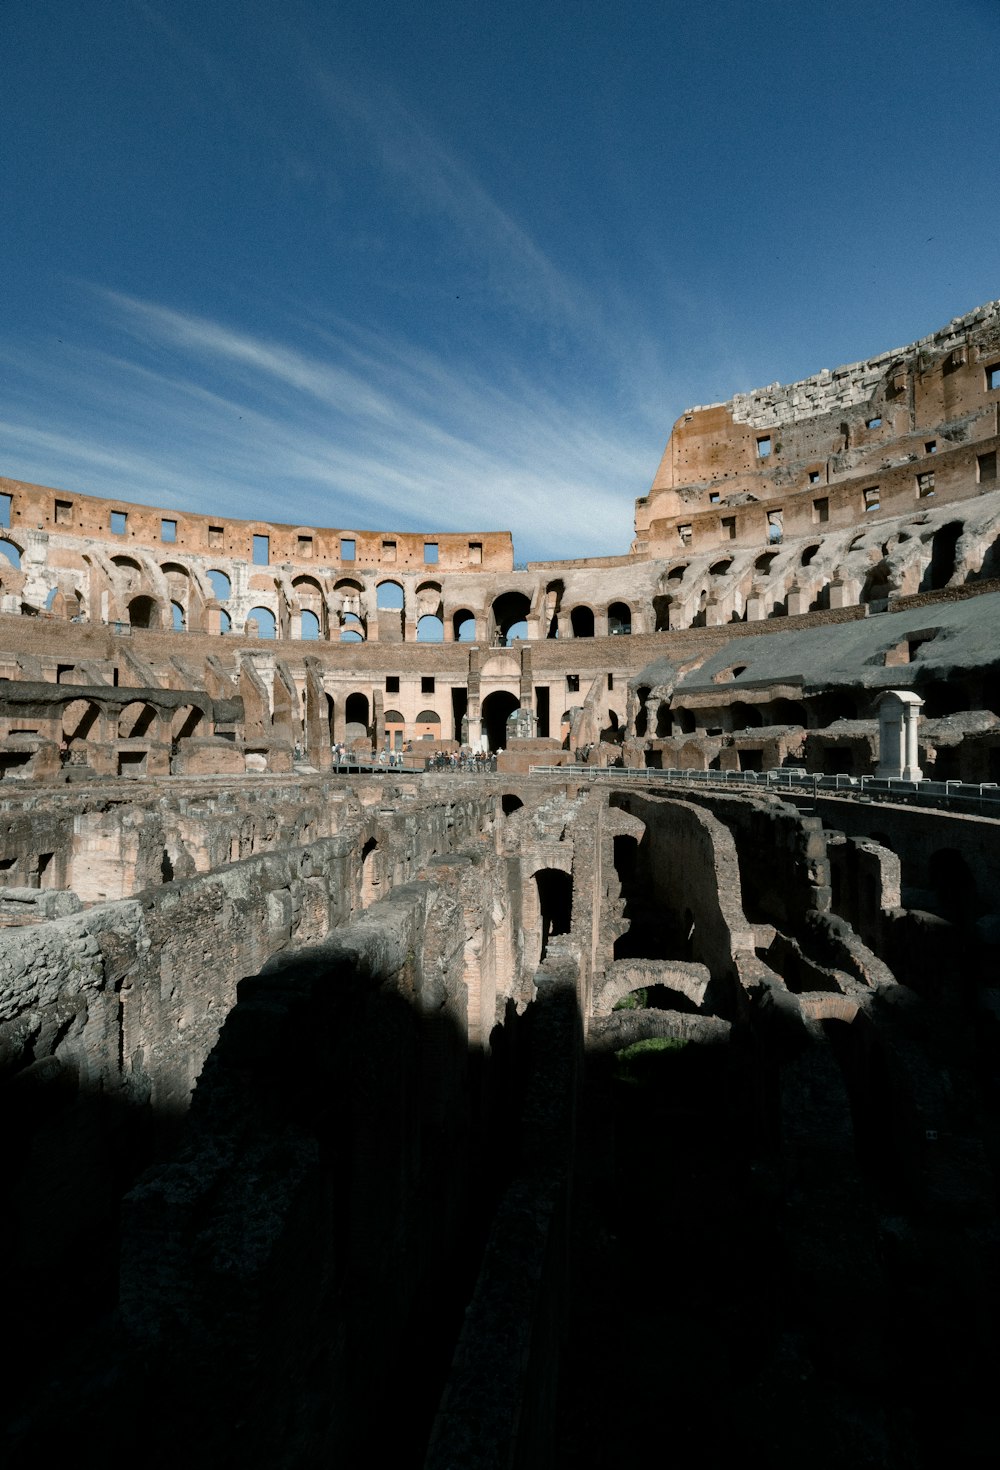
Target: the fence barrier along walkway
(958, 796)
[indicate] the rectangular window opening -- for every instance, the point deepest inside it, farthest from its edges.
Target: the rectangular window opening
(216, 536)
(713, 498)
(684, 532)
(427, 684)
(261, 551)
(388, 551)
(814, 477)
(925, 484)
(347, 548)
(611, 681)
(64, 512)
(5, 510)
(305, 548)
(430, 552)
(821, 511)
(986, 467)
(392, 683)
(476, 553)
(168, 530)
(573, 683)
(119, 520)
(875, 423)
(871, 498)
(930, 447)
(763, 446)
(993, 376)
(729, 528)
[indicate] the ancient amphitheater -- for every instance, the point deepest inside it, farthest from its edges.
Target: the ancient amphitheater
(639, 1097)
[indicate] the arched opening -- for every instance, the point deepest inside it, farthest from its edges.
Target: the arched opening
(942, 564)
(510, 804)
(177, 617)
(356, 717)
(430, 629)
(619, 619)
(808, 554)
(136, 721)
(497, 708)
(676, 574)
(310, 626)
(641, 717)
(509, 611)
(371, 877)
(389, 597)
(126, 563)
(351, 635)
(225, 621)
(266, 625)
(553, 602)
(745, 716)
(427, 725)
(555, 904)
(664, 722)
(686, 722)
(943, 697)
(463, 626)
(765, 562)
(221, 585)
(582, 622)
(835, 704)
(786, 712)
(143, 612)
(720, 568)
(395, 727)
(11, 553)
(78, 719)
(661, 612)
(184, 722)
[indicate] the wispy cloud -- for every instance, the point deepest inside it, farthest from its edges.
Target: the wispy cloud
(360, 428)
(423, 168)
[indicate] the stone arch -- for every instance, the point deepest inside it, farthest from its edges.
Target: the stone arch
(356, 715)
(582, 621)
(808, 553)
(267, 625)
(509, 613)
(186, 721)
(136, 720)
(554, 892)
(430, 629)
(10, 552)
(144, 612)
(178, 617)
(371, 873)
(509, 804)
(389, 596)
(79, 718)
(463, 626)
(720, 568)
(309, 625)
(497, 708)
(220, 584)
(352, 629)
(427, 725)
(619, 619)
(941, 567)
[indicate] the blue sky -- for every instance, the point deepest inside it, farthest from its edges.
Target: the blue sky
(459, 266)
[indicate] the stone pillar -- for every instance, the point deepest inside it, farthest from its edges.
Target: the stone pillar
(756, 609)
(798, 602)
(898, 718)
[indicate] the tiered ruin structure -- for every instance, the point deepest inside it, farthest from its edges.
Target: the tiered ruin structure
(369, 1114)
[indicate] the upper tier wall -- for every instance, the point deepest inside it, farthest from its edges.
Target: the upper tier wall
(41, 508)
(824, 443)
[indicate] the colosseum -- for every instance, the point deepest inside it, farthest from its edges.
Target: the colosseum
(487, 1015)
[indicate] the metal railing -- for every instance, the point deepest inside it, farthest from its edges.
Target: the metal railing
(982, 798)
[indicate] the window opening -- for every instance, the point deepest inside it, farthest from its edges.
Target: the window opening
(261, 551)
(347, 548)
(168, 530)
(119, 519)
(763, 446)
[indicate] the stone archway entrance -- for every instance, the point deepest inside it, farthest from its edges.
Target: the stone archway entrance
(496, 708)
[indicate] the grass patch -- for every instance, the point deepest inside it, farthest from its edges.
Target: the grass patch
(634, 1001)
(638, 1065)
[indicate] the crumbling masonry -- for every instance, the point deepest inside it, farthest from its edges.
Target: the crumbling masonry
(426, 1117)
